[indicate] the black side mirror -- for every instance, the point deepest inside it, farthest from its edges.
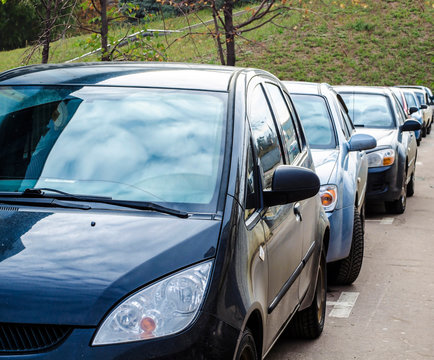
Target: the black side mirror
(360, 142)
(291, 184)
(410, 125)
(423, 106)
(412, 110)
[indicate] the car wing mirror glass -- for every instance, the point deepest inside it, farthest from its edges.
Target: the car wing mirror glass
(423, 106)
(291, 184)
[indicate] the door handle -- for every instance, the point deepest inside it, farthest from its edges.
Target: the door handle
(297, 212)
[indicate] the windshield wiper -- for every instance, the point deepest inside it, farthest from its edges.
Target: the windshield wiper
(43, 202)
(138, 205)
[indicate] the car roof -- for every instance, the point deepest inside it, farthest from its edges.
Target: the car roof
(302, 87)
(381, 90)
(146, 74)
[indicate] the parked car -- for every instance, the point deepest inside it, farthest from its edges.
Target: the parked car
(392, 164)
(426, 109)
(158, 210)
(343, 170)
(414, 104)
(412, 112)
(429, 98)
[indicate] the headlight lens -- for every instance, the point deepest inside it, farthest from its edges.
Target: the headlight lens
(161, 309)
(384, 157)
(329, 196)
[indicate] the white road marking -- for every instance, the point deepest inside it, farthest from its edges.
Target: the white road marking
(342, 308)
(383, 221)
(420, 163)
(387, 221)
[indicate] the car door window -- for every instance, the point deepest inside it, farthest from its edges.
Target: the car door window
(283, 117)
(250, 201)
(264, 133)
(400, 115)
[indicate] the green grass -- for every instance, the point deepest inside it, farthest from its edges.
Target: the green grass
(371, 42)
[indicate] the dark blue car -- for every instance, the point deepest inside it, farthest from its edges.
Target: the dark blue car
(155, 211)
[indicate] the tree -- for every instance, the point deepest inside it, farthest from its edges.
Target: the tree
(55, 17)
(13, 14)
(225, 29)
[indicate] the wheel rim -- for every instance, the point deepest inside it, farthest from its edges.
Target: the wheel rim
(247, 354)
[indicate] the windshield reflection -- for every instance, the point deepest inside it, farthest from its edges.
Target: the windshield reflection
(126, 143)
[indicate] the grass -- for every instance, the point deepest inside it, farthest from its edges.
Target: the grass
(370, 42)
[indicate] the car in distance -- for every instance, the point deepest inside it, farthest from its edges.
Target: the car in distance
(342, 168)
(392, 164)
(147, 211)
(412, 112)
(413, 103)
(428, 98)
(426, 109)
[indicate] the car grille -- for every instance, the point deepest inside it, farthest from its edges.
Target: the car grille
(19, 338)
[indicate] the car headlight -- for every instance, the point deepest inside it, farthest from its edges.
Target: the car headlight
(329, 196)
(161, 309)
(384, 157)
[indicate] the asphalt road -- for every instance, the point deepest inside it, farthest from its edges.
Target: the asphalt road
(388, 313)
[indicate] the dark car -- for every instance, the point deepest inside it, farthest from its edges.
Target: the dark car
(155, 211)
(392, 164)
(342, 167)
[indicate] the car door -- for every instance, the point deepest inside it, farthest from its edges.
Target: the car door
(283, 230)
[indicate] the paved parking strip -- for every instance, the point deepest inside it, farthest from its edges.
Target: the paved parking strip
(392, 316)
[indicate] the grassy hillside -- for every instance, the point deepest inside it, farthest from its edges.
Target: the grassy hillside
(373, 42)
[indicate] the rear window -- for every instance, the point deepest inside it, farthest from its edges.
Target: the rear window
(164, 146)
(316, 119)
(370, 110)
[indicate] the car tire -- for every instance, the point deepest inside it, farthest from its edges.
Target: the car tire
(398, 206)
(423, 131)
(346, 271)
(410, 186)
(428, 130)
(309, 323)
(418, 141)
(247, 348)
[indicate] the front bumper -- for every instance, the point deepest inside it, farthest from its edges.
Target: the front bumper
(384, 183)
(207, 338)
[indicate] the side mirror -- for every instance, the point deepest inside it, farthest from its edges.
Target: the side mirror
(410, 125)
(361, 142)
(412, 110)
(291, 184)
(423, 106)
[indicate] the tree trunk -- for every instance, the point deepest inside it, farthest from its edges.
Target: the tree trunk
(230, 33)
(46, 37)
(217, 36)
(104, 32)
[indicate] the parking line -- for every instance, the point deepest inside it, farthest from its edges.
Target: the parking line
(342, 308)
(383, 221)
(419, 163)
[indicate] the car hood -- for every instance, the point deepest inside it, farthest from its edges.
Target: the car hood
(71, 268)
(325, 163)
(383, 136)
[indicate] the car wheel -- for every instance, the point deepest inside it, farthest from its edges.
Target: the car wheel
(428, 131)
(423, 131)
(418, 141)
(410, 186)
(398, 206)
(309, 323)
(247, 348)
(346, 271)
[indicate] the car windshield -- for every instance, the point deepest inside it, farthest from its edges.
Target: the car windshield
(316, 120)
(420, 97)
(411, 99)
(134, 144)
(369, 110)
